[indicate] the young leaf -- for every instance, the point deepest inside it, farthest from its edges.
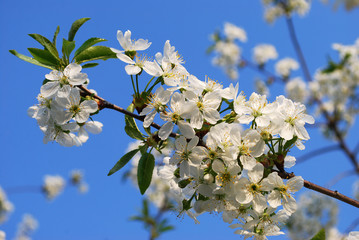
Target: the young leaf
(123, 161)
(144, 171)
(75, 26)
(46, 43)
(133, 133)
(320, 235)
(90, 42)
(95, 53)
(131, 127)
(30, 60)
(55, 35)
(44, 57)
(67, 48)
(89, 65)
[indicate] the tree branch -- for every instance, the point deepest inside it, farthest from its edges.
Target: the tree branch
(339, 177)
(298, 50)
(317, 152)
(323, 190)
(331, 124)
(262, 70)
(105, 104)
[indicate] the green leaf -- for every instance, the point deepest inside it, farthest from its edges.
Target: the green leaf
(95, 53)
(144, 171)
(30, 60)
(133, 133)
(143, 148)
(90, 42)
(44, 57)
(145, 210)
(123, 161)
(49, 46)
(67, 48)
(55, 35)
(320, 235)
(131, 127)
(75, 27)
(89, 65)
(289, 143)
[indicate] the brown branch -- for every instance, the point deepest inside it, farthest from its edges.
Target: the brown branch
(339, 177)
(307, 184)
(262, 70)
(298, 50)
(105, 104)
(323, 190)
(317, 152)
(352, 226)
(330, 123)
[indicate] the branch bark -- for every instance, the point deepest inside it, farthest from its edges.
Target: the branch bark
(334, 194)
(333, 125)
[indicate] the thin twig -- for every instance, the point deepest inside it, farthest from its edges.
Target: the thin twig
(317, 152)
(106, 104)
(339, 177)
(262, 70)
(331, 124)
(298, 50)
(352, 226)
(307, 184)
(323, 190)
(23, 189)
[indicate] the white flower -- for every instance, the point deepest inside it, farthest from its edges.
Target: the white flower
(2, 235)
(53, 186)
(257, 108)
(296, 89)
(159, 99)
(280, 191)
(169, 55)
(62, 134)
(73, 108)
(93, 127)
(294, 118)
(179, 109)
(184, 155)
(264, 52)
(5, 206)
(28, 225)
(204, 108)
(233, 32)
(130, 45)
(60, 82)
(248, 191)
(226, 175)
(285, 66)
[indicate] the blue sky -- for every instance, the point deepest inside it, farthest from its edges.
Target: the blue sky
(104, 211)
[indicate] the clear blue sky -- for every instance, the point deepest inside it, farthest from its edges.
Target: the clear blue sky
(103, 213)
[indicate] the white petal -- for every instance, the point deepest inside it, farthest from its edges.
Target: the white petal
(218, 166)
(256, 174)
(132, 69)
(165, 130)
(49, 89)
(94, 127)
(274, 199)
(295, 184)
(186, 129)
(90, 106)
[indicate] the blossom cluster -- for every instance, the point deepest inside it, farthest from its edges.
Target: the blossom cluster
(5, 206)
(225, 159)
(275, 9)
(337, 85)
(61, 112)
(54, 185)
